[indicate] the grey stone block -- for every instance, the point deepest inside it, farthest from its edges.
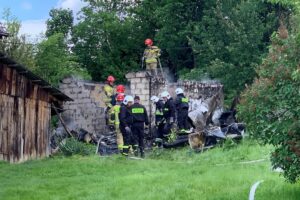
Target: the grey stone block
(140, 74)
(67, 80)
(130, 75)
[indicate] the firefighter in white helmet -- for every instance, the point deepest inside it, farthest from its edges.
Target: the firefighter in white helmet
(126, 121)
(182, 108)
(169, 111)
(159, 116)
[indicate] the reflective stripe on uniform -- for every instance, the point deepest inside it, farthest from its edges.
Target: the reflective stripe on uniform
(166, 109)
(151, 60)
(137, 110)
(185, 100)
(158, 113)
(117, 108)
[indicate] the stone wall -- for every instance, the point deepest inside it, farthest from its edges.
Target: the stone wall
(87, 109)
(197, 91)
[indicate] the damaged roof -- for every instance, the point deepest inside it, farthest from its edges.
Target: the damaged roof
(36, 79)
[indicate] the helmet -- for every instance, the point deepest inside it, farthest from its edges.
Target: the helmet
(128, 99)
(154, 99)
(110, 79)
(165, 94)
(120, 97)
(179, 91)
(120, 89)
(148, 42)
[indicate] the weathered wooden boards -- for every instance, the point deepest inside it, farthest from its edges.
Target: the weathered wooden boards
(25, 113)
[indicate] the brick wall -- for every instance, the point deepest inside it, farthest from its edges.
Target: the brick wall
(87, 109)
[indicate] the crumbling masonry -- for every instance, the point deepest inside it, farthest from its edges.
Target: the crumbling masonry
(87, 109)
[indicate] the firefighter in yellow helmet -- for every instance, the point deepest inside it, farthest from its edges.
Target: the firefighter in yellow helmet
(151, 55)
(114, 120)
(109, 93)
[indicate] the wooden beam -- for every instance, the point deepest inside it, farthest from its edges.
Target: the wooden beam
(62, 121)
(46, 87)
(35, 81)
(13, 65)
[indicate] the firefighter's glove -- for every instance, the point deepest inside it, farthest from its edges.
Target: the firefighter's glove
(128, 130)
(171, 120)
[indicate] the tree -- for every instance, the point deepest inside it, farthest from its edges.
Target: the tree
(16, 46)
(271, 105)
(54, 61)
(61, 21)
(230, 40)
(105, 40)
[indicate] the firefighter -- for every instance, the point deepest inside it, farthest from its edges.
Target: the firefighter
(182, 108)
(168, 112)
(151, 56)
(159, 116)
(114, 120)
(140, 118)
(109, 93)
(125, 117)
(119, 89)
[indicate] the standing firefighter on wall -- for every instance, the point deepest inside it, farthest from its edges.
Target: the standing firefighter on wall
(151, 56)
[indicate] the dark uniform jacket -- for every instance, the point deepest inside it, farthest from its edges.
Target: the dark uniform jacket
(139, 113)
(159, 111)
(181, 102)
(169, 109)
(125, 116)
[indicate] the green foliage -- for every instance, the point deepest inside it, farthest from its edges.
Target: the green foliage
(223, 40)
(61, 21)
(16, 46)
(54, 61)
(271, 106)
(106, 42)
(74, 147)
(230, 40)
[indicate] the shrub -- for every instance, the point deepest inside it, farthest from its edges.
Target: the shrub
(271, 105)
(75, 147)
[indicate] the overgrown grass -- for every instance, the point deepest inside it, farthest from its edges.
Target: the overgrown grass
(170, 174)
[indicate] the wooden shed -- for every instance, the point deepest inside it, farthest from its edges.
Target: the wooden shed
(26, 102)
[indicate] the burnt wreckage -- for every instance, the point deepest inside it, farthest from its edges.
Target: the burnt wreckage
(207, 133)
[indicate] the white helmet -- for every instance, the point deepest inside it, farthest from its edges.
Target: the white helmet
(165, 94)
(127, 99)
(154, 99)
(179, 91)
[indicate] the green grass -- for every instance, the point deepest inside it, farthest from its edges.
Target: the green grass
(170, 174)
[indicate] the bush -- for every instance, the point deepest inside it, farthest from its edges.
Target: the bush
(271, 106)
(75, 147)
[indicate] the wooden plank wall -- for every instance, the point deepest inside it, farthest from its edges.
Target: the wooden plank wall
(24, 117)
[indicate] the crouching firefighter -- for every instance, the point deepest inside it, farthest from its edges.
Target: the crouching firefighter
(114, 120)
(182, 107)
(168, 112)
(159, 116)
(126, 123)
(140, 118)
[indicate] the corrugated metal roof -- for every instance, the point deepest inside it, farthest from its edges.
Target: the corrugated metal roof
(36, 79)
